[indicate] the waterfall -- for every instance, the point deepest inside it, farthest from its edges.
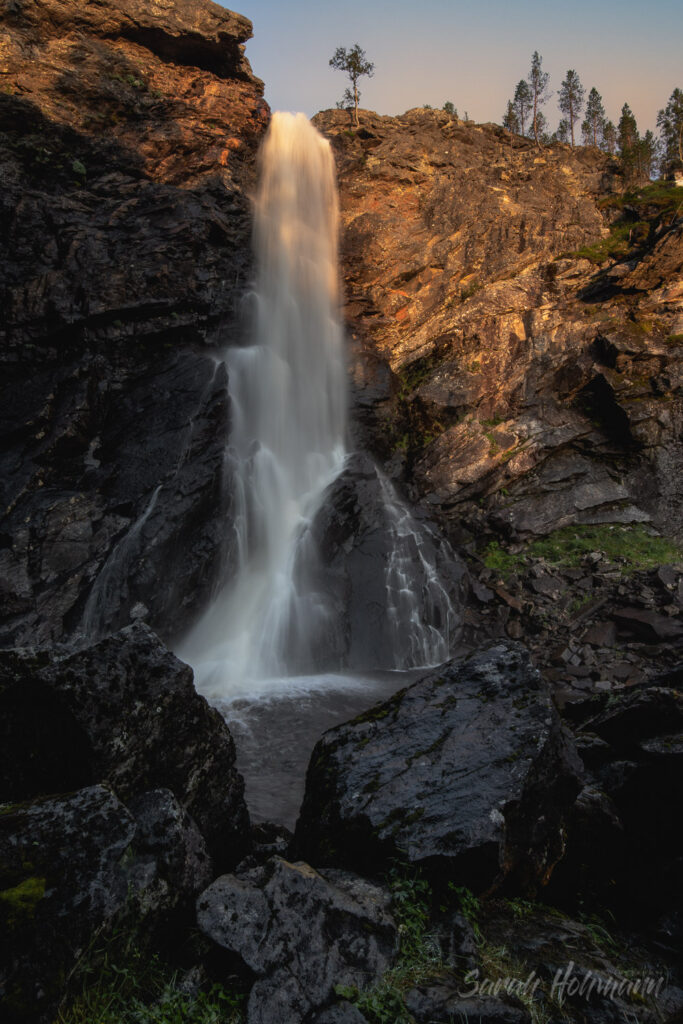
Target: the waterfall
(288, 395)
(279, 613)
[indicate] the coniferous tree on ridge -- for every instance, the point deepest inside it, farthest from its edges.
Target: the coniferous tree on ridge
(670, 124)
(522, 103)
(570, 101)
(538, 80)
(595, 120)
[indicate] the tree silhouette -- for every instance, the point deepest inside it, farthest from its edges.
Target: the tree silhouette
(594, 123)
(356, 65)
(538, 82)
(570, 101)
(670, 124)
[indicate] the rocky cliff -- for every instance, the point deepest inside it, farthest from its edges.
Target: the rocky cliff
(518, 324)
(128, 132)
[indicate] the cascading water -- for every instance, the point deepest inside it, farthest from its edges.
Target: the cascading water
(286, 609)
(288, 392)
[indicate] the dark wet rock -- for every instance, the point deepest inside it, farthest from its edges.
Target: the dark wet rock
(301, 933)
(601, 634)
(360, 528)
(623, 843)
(443, 1002)
(129, 716)
(168, 833)
(639, 715)
(128, 134)
(467, 773)
(648, 625)
(68, 866)
(341, 1013)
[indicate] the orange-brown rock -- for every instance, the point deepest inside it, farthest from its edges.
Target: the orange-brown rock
(528, 388)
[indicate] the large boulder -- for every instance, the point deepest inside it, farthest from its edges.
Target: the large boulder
(301, 933)
(468, 773)
(72, 865)
(391, 587)
(122, 712)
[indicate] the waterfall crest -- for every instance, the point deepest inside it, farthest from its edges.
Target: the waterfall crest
(288, 395)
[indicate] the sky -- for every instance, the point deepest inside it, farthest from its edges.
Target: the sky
(473, 54)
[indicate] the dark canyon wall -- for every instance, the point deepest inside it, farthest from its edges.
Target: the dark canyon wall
(128, 132)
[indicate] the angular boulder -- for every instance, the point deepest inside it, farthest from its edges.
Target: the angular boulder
(69, 866)
(122, 712)
(467, 773)
(301, 933)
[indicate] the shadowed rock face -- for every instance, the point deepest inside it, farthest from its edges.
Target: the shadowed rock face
(127, 139)
(301, 933)
(517, 367)
(467, 773)
(127, 715)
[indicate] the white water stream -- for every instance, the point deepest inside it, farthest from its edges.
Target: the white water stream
(288, 391)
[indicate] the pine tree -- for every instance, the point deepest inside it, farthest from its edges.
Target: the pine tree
(670, 124)
(608, 141)
(570, 100)
(628, 139)
(595, 120)
(646, 156)
(356, 65)
(510, 120)
(522, 103)
(538, 81)
(562, 133)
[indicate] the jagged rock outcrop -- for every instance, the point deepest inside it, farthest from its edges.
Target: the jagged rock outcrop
(302, 933)
(128, 131)
(123, 712)
(70, 866)
(466, 773)
(530, 389)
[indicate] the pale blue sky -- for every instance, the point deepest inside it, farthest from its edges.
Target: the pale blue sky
(429, 51)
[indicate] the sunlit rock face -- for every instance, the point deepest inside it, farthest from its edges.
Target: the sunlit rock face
(129, 133)
(529, 388)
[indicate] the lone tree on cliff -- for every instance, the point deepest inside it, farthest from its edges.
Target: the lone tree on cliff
(538, 83)
(356, 65)
(570, 101)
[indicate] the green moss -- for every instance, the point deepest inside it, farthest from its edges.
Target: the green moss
(674, 339)
(623, 235)
(632, 547)
(20, 902)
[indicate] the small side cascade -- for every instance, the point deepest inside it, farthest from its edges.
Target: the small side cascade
(420, 612)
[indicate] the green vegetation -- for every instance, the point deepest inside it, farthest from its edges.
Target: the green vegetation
(20, 902)
(118, 981)
(631, 547)
(419, 955)
(616, 246)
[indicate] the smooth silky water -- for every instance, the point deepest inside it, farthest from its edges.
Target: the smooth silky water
(288, 391)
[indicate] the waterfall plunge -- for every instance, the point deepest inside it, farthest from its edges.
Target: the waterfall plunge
(288, 393)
